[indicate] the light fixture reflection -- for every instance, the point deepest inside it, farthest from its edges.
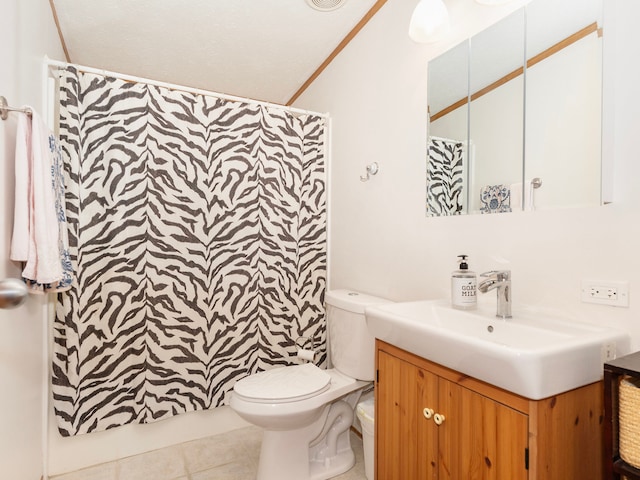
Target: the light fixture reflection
(492, 2)
(429, 22)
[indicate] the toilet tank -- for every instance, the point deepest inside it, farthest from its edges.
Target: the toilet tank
(351, 346)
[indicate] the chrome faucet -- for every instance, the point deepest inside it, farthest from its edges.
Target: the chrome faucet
(501, 281)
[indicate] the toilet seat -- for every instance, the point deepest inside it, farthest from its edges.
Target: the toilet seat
(284, 384)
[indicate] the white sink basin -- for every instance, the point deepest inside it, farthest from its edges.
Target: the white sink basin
(533, 354)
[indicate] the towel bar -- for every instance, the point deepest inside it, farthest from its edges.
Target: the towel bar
(5, 109)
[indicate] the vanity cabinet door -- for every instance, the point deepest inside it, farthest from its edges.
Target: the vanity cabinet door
(480, 439)
(487, 433)
(406, 441)
(428, 427)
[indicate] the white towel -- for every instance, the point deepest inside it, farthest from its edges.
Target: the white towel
(20, 240)
(39, 236)
(516, 196)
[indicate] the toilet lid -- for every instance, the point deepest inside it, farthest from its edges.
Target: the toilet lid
(284, 384)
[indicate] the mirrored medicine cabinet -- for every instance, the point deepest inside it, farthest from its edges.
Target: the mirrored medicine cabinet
(515, 118)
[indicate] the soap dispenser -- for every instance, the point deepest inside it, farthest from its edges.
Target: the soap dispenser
(463, 286)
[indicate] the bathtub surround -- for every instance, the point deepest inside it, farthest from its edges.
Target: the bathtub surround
(232, 456)
(197, 232)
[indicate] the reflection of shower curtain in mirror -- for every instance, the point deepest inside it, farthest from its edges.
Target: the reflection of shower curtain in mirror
(445, 177)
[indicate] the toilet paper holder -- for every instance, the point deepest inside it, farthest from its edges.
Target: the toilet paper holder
(305, 341)
(303, 352)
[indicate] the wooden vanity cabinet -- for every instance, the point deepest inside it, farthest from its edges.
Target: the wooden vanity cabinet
(481, 432)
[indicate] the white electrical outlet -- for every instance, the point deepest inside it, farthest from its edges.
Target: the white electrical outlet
(606, 292)
(608, 351)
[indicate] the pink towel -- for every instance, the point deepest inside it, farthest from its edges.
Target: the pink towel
(39, 236)
(20, 240)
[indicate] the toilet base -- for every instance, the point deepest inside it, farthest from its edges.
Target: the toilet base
(341, 462)
(291, 455)
(294, 463)
(284, 455)
(330, 454)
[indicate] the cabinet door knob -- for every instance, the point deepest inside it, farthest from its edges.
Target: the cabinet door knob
(428, 413)
(438, 418)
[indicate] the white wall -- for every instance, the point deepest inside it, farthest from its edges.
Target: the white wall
(28, 33)
(381, 241)
(74, 453)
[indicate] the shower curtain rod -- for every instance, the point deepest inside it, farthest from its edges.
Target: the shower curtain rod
(182, 88)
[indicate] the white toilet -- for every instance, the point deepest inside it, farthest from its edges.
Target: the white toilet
(306, 412)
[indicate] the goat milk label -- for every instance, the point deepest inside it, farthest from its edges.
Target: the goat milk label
(463, 292)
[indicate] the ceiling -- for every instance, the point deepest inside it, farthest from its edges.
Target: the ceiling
(260, 49)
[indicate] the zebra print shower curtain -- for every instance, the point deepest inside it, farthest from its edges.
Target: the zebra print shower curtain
(198, 237)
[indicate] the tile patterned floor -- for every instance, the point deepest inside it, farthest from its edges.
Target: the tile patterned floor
(230, 456)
